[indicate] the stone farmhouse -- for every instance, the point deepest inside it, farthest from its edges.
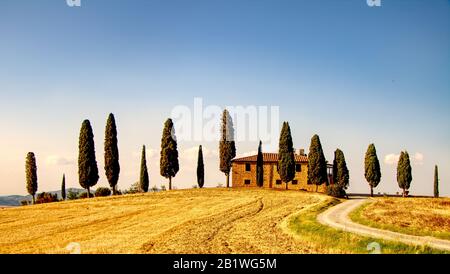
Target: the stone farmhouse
(244, 173)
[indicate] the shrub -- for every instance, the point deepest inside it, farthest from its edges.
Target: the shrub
(336, 191)
(134, 188)
(24, 202)
(102, 192)
(45, 197)
(84, 195)
(72, 195)
(154, 189)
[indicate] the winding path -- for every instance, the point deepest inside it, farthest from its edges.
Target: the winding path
(337, 217)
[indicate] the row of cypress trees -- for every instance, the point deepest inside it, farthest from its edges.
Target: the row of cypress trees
(317, 164)
(87, 165)
(227, 150)
(404, 172)
(31, 179)
(169, 165)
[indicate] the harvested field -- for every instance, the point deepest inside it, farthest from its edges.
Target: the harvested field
(183, 221)
(415, 216)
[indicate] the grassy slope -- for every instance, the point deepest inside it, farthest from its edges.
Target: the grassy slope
(414, 216)
(308, 230)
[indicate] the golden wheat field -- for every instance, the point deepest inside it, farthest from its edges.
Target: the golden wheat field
(417, 216)
(181, 221)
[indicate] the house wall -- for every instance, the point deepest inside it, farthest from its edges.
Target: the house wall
(239, 175)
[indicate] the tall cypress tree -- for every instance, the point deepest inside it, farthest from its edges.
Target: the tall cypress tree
(260, 167)
(286, 158)
(341, 176)
(200, 168)
(143, 179)
(404, 175)
(372, 170)
(335, 167)
(227, 146)
(317, 164)
(87, 163)
(169, 165)
(31, 175)
(436, 182)
(63, 187)
(112, 166)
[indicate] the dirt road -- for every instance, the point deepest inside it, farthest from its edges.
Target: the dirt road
(337, 217)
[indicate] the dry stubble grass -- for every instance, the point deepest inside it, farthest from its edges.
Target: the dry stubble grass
(416, 216)
(184, 221)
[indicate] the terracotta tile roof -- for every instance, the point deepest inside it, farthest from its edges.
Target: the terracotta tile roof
(270, 158)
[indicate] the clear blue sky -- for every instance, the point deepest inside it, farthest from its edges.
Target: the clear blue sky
(354, 74)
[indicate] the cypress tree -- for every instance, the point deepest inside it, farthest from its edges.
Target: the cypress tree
(404, 175)
(31, 175)
(63, 187)
(227, 146)
(200, 168)
(372, 170)
(335, 167)
(317, 164)
(169, 165)
(260, 167)
(112, 166)
(436, 182)
(87, 163)
(286, 158)
(341, 174)
(143, 179)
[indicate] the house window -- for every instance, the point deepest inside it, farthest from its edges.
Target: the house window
(295, 182)
(248, 167)
(278, 182)
(247, 182)
(298, 168)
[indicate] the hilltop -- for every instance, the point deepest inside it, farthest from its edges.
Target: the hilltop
(203, 221)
